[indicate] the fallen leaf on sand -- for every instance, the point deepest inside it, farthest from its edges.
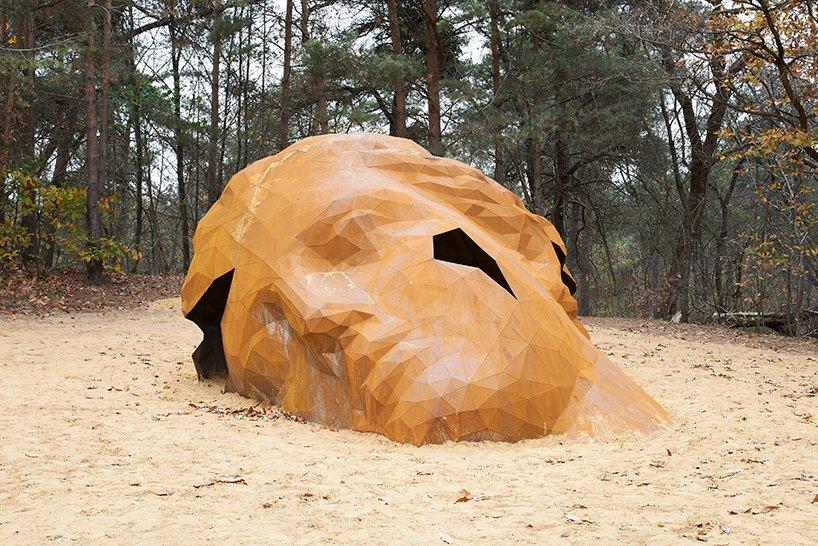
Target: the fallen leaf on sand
(221, 479)
(463, 496)
(764, 509)
(540, 526)
(231, 479)
(573, 518)
(445, 537)
(815, 499)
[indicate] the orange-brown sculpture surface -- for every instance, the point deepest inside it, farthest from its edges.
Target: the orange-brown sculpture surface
(360, 282)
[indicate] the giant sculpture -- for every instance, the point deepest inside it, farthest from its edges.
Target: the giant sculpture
(360, 282)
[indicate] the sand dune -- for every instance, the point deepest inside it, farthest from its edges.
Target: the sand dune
(106, 436)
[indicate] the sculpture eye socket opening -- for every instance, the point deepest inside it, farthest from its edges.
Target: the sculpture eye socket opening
(567, 280)
(457, 247)
(207, 315)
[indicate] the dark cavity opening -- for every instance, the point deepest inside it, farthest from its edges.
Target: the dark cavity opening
(456, 247)
(207, 315)
(566, 277)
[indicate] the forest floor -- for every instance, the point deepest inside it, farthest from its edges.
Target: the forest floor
(66, 291)
(107, 436)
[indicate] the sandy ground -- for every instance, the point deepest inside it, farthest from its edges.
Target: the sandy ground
(99, 442)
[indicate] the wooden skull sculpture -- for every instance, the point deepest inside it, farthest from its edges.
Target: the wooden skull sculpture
(360, 282)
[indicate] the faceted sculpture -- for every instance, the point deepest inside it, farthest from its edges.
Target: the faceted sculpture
(360, 282)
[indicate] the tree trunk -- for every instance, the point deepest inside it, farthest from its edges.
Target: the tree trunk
(614, 283)
(721, 239)
(579, 250)
(6, 122)
(534, 174)
(702, 159)
(179, 141)
(26, 133)
(304, 21)
(105, 96)
(246, 94)
(316, 81)
(223, 133)
(560, 181)
(92, 151)
(284, 123)
(65, 147)
(534, 141)
(499, 159)
(139, 152)
(671, 146)
(140, 175)
(433, 55)
(151, 219)
(399, 126)
(264, 47)
(321, 114)
(197, 167)
(212, 183)
(240, 104)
